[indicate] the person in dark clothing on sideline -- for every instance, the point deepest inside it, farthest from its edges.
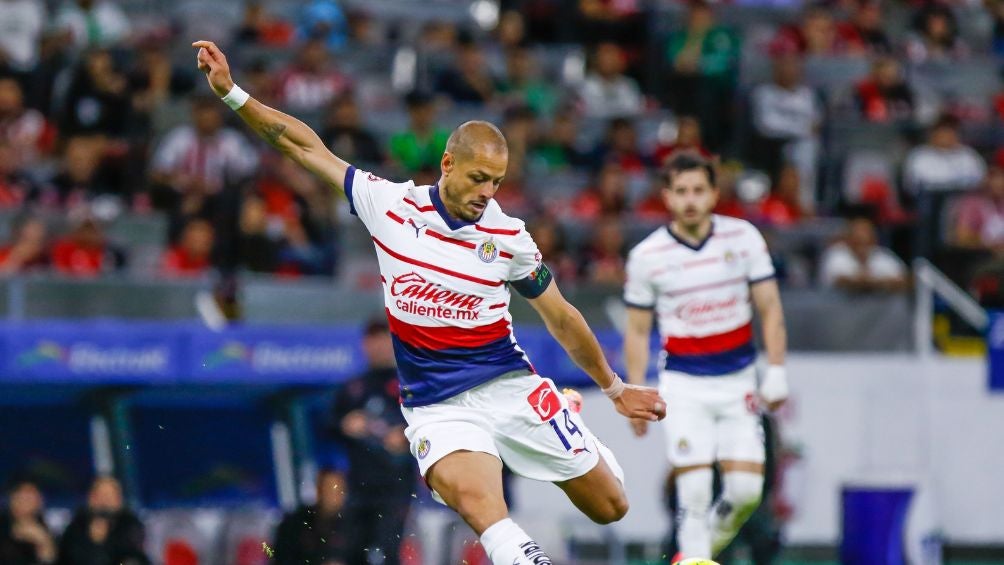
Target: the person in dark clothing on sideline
(368, 423)
(24, 537)
(318, 534)
(104, 532)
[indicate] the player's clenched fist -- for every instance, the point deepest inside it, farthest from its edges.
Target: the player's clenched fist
(212, 62)
(641, 402)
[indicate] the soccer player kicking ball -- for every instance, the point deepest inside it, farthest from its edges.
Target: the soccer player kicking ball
(448, 256)
(698, 275)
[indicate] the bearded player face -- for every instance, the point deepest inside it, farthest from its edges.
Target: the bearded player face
(470, 179)
(690, 197)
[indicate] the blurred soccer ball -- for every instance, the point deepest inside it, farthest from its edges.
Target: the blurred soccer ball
(574, 399)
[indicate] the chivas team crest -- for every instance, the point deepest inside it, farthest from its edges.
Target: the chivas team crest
(488, 251)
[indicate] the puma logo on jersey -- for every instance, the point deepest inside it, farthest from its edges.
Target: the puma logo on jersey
(418, 228)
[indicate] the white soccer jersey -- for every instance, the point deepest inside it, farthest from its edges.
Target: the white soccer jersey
(701, 294)
(445, 285)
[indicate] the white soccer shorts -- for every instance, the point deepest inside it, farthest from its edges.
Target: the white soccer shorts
(523, 420)
(712, 419)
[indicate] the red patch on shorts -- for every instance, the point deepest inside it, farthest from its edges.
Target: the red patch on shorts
(752, 403)
(544, 401)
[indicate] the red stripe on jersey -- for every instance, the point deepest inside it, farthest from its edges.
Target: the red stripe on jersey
(666, 247)
(461, 243)
(429, 208)
(731, 233)
(436, 268)
(499, 305)
(441, 237)
(395, 217)
(700, 262)
(709, 344)
(705, 286)
(496, 231)
(446, 337)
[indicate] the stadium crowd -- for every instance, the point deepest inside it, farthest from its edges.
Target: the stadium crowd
(102, 114)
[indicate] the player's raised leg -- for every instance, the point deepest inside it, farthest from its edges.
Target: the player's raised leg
(471, 483)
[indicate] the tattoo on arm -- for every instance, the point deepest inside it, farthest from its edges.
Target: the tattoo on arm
(272, 132)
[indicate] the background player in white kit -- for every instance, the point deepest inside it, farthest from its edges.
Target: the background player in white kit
(448, 255)
(698, 275)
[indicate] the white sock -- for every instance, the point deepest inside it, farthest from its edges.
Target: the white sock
(507, 544)
(740, 497)
(693, 492)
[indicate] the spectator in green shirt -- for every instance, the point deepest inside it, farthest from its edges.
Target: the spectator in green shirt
(422, 144)
(703, 61)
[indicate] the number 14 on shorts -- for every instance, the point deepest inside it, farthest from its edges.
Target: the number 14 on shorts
(570, 427)
(546, 403)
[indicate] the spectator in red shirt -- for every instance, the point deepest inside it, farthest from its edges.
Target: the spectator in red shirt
(606, 197)
(688, 138)
(621, 145)
(816, 34)
(652, 208)
(884, 96)
(259, 27)
(190, 257)
(783, 207)
(28, 251)
(729, 203)
(312, 82)
(84, 252)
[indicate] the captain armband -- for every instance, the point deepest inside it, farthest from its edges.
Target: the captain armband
(535, 283)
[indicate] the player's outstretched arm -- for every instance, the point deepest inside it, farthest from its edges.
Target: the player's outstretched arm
(636, 341)
(568, 326)
(284, 132)
(767, 300)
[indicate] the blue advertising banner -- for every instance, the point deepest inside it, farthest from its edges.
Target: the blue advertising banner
(105, 351)
(306, 355)
(108, 352)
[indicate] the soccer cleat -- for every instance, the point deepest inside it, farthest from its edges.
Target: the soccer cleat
(574, 399)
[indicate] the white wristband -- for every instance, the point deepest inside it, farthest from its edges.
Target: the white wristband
(236, 97)
(616, 388)
(774, 385)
